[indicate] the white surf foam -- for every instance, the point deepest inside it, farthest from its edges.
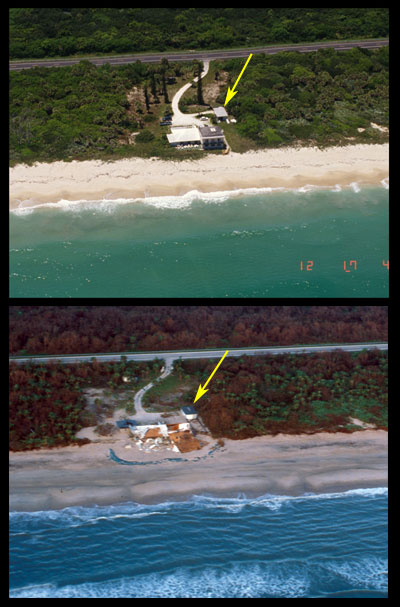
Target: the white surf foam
(355, 187)
(238, 581)
(82, 514)
(278, 579)
(182, 201)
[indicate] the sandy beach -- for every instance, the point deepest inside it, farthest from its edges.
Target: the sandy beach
(280, 465)
(140, 178)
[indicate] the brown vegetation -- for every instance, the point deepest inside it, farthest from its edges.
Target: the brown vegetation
(293, 394)
(105, 429)
(91, 329)
(47, 402)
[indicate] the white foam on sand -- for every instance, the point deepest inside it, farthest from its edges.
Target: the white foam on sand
(108, 205)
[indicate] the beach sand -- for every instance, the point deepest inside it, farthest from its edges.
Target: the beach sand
(139, 178)
(280, 465)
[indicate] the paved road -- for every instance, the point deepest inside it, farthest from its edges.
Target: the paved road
(203, 55)
(174, 355)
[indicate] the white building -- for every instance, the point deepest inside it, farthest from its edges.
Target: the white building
(184, 135)
(207, 137)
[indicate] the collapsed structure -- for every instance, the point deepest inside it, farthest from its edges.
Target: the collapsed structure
(178, 437)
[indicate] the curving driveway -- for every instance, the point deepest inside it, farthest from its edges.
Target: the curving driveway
(142, 415)
(180, 119)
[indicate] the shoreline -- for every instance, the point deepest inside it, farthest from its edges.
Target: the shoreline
(283, 465)
(142, 178)
(337, 489)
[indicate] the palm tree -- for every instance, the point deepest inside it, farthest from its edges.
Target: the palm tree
(164, 67)
(199, 66)
(146, 95)
(153, 87)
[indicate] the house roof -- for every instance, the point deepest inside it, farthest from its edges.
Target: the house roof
(183, 134)
(207, 132)
(189, 410)
(220, 112)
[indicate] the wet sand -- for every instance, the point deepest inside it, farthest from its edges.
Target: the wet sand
(280, 465)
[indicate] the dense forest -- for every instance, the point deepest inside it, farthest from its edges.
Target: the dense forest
(90, 329)
(50, 32)
(257, 395)
(322, 98)
(83, 111)
(47, 404)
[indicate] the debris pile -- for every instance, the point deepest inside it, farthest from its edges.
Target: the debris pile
(173, 437)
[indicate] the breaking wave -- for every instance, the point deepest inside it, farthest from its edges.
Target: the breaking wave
(313, 545)
(183, 201)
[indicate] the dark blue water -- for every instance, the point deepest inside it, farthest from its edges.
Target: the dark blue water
(332, 545)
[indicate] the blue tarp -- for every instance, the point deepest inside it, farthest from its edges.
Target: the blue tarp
(125, 462)
(126, 423)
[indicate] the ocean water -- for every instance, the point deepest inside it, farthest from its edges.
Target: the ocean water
(332, 545)
(249, 243)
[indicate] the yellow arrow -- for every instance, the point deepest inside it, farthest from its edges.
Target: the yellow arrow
(201, 389)
(231, 92)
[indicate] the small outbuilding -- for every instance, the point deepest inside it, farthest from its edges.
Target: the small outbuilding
(189, 412)
(221, 114)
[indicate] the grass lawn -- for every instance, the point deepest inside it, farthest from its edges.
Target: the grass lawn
(171, 393)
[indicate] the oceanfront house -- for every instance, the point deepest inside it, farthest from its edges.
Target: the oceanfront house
(221, 114)
(184, 136)
(212, 137)
(189, 412)
(207, 137)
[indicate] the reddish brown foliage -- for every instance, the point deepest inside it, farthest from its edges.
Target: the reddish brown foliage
(91, 329)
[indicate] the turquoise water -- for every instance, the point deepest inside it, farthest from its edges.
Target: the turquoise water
(332, 545)
(247, 244)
